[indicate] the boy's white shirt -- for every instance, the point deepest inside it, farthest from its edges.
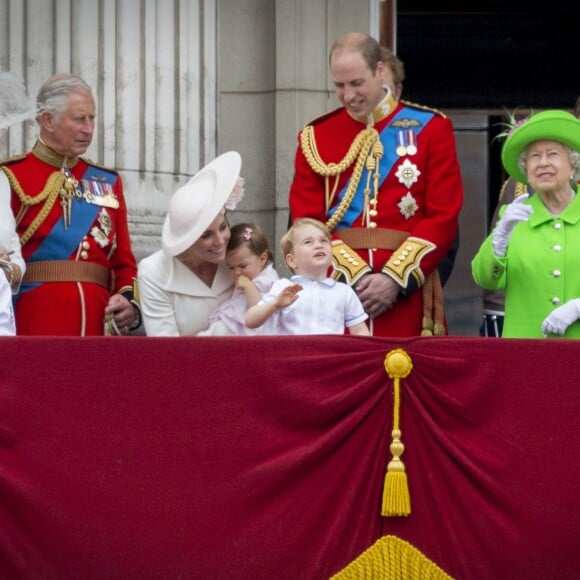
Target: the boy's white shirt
(322, 307)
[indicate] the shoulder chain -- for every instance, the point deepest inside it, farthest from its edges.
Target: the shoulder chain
(363, 146)
(308, 145)
(49, 194)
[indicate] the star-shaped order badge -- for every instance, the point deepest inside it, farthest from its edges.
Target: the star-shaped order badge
(408, 205)
(407, 173)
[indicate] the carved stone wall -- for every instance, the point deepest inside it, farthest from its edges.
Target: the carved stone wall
(179, 82)
(153, 69)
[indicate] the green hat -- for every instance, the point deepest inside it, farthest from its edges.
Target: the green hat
(552, 125)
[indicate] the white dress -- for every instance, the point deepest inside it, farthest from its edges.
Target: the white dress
(229, 318)
(9, 242)
(173, 300)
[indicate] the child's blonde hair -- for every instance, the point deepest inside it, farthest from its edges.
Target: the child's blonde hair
(289, 238)
(252, 236)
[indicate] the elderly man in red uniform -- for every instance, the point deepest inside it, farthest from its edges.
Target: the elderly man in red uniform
(72, 221)
(383, 174)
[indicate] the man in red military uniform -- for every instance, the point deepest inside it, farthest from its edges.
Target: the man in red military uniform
(383, 174)
(72, 221)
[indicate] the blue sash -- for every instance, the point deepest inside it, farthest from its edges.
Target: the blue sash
(388, 137)
(59, 244)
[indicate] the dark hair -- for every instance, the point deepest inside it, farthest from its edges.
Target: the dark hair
(252, 236)
(577, 108)
(396, 65)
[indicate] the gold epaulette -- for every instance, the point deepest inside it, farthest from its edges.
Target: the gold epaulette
(324, 117)
(504, 187)
(13, 159)
(512, 189)
(406, 261)
(520, 189)
(424, 108)
(99, 166)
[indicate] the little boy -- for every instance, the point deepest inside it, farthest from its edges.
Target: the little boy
(309, 302)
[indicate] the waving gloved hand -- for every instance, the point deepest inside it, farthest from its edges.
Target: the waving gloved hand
(516, 211)
(562, 317)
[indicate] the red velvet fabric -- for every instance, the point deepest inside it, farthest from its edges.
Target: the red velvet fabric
(265, 457)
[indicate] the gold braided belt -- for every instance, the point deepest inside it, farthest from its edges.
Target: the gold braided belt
(386, 239)
(66, 271)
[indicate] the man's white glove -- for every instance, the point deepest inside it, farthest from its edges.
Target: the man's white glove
(516, 211)
(562, 317)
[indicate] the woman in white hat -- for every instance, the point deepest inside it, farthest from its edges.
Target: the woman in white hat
(185, 281)
(14, 107)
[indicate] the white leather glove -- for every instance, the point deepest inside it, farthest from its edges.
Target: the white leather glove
(562, 317)
(516, 211)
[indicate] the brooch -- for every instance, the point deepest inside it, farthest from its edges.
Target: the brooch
(407, 173)
(408, 205)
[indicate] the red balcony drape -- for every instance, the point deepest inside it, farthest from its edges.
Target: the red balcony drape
(214, 458)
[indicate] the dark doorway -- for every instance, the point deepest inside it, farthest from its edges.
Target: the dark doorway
(482, 55)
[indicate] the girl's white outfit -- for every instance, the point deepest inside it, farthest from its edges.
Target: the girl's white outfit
(9, 242)
(173, 300)
(229, 318)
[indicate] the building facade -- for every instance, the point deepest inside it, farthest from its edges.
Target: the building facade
(179, 82)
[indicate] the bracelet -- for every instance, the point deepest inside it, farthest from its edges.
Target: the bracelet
(10, 273)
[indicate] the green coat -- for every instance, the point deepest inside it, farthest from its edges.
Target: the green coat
(540, 271)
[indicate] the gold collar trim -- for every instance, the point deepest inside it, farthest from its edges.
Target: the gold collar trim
(43, 152)
(380, 112)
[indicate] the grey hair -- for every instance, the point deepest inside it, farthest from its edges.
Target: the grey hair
(54, 91)
(573, 156)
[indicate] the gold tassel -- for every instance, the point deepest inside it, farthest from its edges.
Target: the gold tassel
(396, 497)
(392, 558)
(396, 500)
(439, 329)
(427, 326)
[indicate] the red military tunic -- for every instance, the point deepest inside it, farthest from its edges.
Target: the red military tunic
(420, 193)
(91, 229)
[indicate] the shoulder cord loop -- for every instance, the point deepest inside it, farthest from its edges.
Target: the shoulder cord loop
(361, 148)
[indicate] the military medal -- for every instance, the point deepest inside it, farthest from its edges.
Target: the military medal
(101, 194)
(401, 150)
(412, 142)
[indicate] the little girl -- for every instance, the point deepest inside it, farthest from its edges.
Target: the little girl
(250, 260)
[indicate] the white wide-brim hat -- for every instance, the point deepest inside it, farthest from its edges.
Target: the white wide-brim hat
(194, 206)
(14, 104)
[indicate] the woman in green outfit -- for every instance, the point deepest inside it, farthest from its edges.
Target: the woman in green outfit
(533, 251)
